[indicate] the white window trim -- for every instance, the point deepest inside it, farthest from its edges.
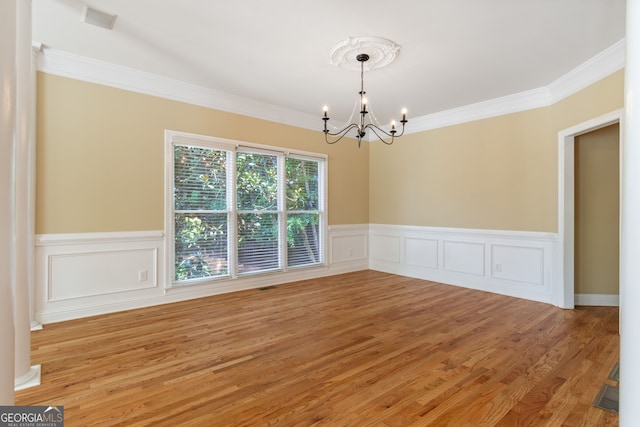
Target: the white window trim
(185, 138)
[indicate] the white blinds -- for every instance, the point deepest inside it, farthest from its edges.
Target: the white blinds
(201, 216)
(303, 212)
(244, 211)
(257, 190)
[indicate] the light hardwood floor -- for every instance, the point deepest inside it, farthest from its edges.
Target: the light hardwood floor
(358, 349)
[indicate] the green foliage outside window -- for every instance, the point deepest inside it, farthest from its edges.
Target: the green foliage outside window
(200, 202)
(201, 212)
(303, 241)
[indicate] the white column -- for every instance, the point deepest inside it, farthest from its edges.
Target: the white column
(7, 135)
(630, 228)
(25, 374)
(36, 49)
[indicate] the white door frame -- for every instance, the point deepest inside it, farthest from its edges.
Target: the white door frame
(565, 297)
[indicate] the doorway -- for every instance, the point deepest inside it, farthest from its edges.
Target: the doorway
(597, 217)
(564, 292)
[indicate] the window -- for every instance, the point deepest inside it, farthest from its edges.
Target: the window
(303, 217)
(200, 212)
(237, 210)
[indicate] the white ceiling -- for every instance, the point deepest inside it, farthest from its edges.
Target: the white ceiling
(453, 52)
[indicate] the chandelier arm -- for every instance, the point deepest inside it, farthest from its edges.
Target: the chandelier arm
(341, 134)
(375, 129)
(393, 134)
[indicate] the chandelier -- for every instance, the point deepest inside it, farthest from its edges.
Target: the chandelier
(384, 52)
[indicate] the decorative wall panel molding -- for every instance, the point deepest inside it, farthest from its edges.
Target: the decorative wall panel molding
(385, 248)
(463, 257)
(421, 252)
(349, 244)
(519, 264)
(85, 274)
(80, 275)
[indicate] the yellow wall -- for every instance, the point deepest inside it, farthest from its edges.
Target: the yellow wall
(499, 173)
(100, 162)
(100, 157)
(597, 202)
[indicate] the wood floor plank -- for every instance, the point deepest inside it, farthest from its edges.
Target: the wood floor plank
(365, 348)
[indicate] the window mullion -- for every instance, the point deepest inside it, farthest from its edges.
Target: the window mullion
(170, 207)
(232, 208)
(282, 210)
(322, 212)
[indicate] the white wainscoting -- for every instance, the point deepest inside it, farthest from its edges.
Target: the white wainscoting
(348, 248)
(80, 275)
(519, 264)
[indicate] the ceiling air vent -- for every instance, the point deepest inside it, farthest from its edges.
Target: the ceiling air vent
(97, 18)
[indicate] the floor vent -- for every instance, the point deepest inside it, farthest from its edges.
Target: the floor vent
(608, 398)
(266, 288)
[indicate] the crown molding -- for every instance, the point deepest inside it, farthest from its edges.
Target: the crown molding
(65, 64)
(77, 67)
(483, 110)
(600, 66)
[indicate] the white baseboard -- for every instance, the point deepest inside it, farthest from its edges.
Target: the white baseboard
(30, 379)
(604, 300)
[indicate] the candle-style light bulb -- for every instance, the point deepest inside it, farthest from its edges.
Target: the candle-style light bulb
(404, 114)
(325, 109)
(393, 125)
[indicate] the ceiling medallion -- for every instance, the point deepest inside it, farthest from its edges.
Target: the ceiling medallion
(381, 52)
(353, 54)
